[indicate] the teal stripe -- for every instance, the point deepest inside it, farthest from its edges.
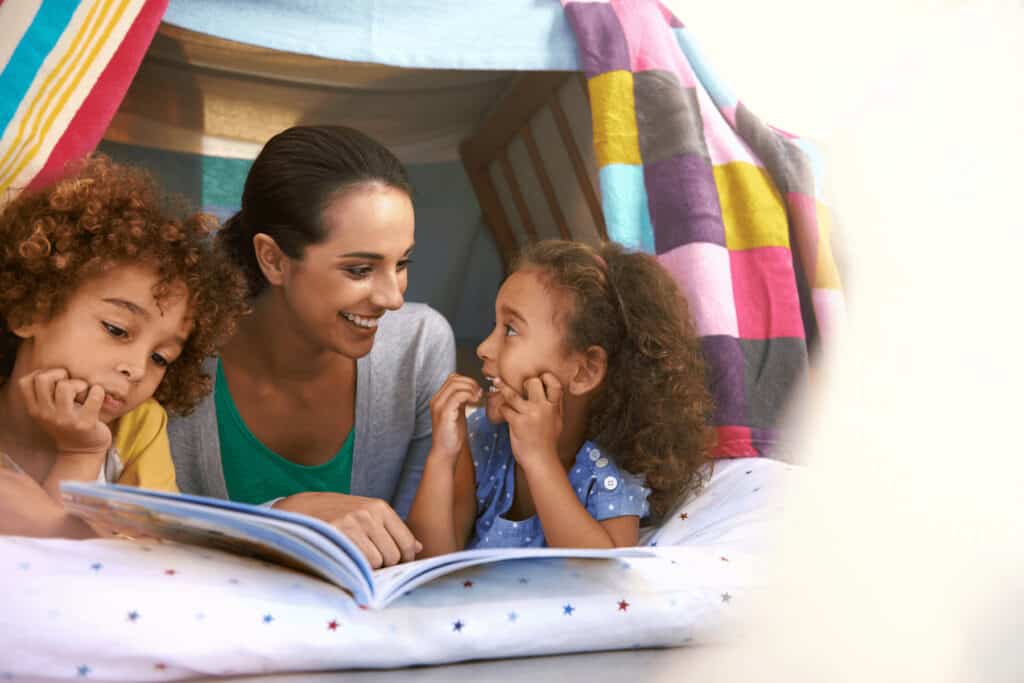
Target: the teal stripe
(624, 200)
(39, 40)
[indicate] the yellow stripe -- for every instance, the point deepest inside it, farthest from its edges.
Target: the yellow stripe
(73, 86)
(15, 146)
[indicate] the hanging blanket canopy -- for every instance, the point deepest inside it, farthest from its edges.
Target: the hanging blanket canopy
(648, 148)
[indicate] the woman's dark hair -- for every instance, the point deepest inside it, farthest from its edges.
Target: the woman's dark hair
(654, 409)
(295, 176)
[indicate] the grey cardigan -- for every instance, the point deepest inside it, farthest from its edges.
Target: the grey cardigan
(412, 355)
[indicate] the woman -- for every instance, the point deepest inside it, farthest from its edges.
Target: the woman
(321, 399)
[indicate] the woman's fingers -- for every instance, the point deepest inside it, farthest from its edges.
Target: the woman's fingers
(407, 544)
(355, 533)
(380, 534)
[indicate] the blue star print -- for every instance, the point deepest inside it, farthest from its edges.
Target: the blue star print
(267, 618)
(133, 616)
(96, 566)
(457, 626)
(512, 616)
(83, 671)
(568, 610)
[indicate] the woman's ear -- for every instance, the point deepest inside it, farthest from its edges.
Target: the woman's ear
(591, 368)
(272, 260)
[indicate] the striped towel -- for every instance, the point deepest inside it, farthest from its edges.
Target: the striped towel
(689, 174)
(65, 66)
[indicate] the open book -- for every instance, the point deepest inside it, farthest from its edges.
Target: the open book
(285, 538)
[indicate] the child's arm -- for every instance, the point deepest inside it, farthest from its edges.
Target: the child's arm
(534, 426)
(27, 510)
(444, 508)
(80, 437)
(566, 523)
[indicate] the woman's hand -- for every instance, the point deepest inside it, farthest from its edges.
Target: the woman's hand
(534, 422)
(370, 523)
(448, 415)
(51, 399)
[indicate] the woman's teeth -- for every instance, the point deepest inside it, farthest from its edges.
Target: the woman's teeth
(368, 323)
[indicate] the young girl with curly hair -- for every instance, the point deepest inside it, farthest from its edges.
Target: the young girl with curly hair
(108, 306)
(596, 414)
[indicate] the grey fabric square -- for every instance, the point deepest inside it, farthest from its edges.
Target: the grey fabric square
(771, 370)
(667, 117)
(786, 163)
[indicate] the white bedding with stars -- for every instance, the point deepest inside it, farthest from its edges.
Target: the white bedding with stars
(133, 610)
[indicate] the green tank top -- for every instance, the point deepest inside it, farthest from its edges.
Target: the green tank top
(255, 474)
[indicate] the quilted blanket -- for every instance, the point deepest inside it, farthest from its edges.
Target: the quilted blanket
(731, 206)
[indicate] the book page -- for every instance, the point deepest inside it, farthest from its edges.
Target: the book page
(392, 582)
(236, 530)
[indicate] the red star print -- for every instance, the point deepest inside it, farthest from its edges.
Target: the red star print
(467, 584)
(724, 558)
(623, 605)
(332, 625)
(160, 667)
(363, 607)
(170, 572)
(683, 516)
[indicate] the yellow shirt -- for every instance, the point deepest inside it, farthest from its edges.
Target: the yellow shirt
(142, 449)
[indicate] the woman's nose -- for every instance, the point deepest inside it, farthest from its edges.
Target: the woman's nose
(389, 293)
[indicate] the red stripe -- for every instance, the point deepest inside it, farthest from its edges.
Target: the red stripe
(92, 118)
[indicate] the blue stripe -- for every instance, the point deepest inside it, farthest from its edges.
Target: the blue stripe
(37, 43)
(624, 199)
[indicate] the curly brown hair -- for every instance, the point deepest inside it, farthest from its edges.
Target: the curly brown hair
(653, 409)
(100, 215)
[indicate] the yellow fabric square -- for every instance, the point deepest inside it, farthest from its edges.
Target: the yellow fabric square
(752, 209)
(616, 140)
(826, 275)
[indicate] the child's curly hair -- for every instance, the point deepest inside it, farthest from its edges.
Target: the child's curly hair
(100, 215)
(653, 409)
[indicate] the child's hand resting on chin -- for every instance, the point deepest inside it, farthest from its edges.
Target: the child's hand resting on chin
(67, 409)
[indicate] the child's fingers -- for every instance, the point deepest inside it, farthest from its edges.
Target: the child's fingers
(93, 403)
(511, 397)
(44, 385)
(65, 393)
(552, 388)
(457, 400)
(452, 386)
(534, 389)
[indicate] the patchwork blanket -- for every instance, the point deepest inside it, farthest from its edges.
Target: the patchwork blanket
(131, 610)
(65, 66)
(731, 206)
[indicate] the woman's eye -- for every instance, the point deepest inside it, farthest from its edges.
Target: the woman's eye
(115, 331)
(160, 360)
(510, 331)
(358, 272)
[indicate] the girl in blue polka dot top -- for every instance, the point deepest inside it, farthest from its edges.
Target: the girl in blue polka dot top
(595, 411)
